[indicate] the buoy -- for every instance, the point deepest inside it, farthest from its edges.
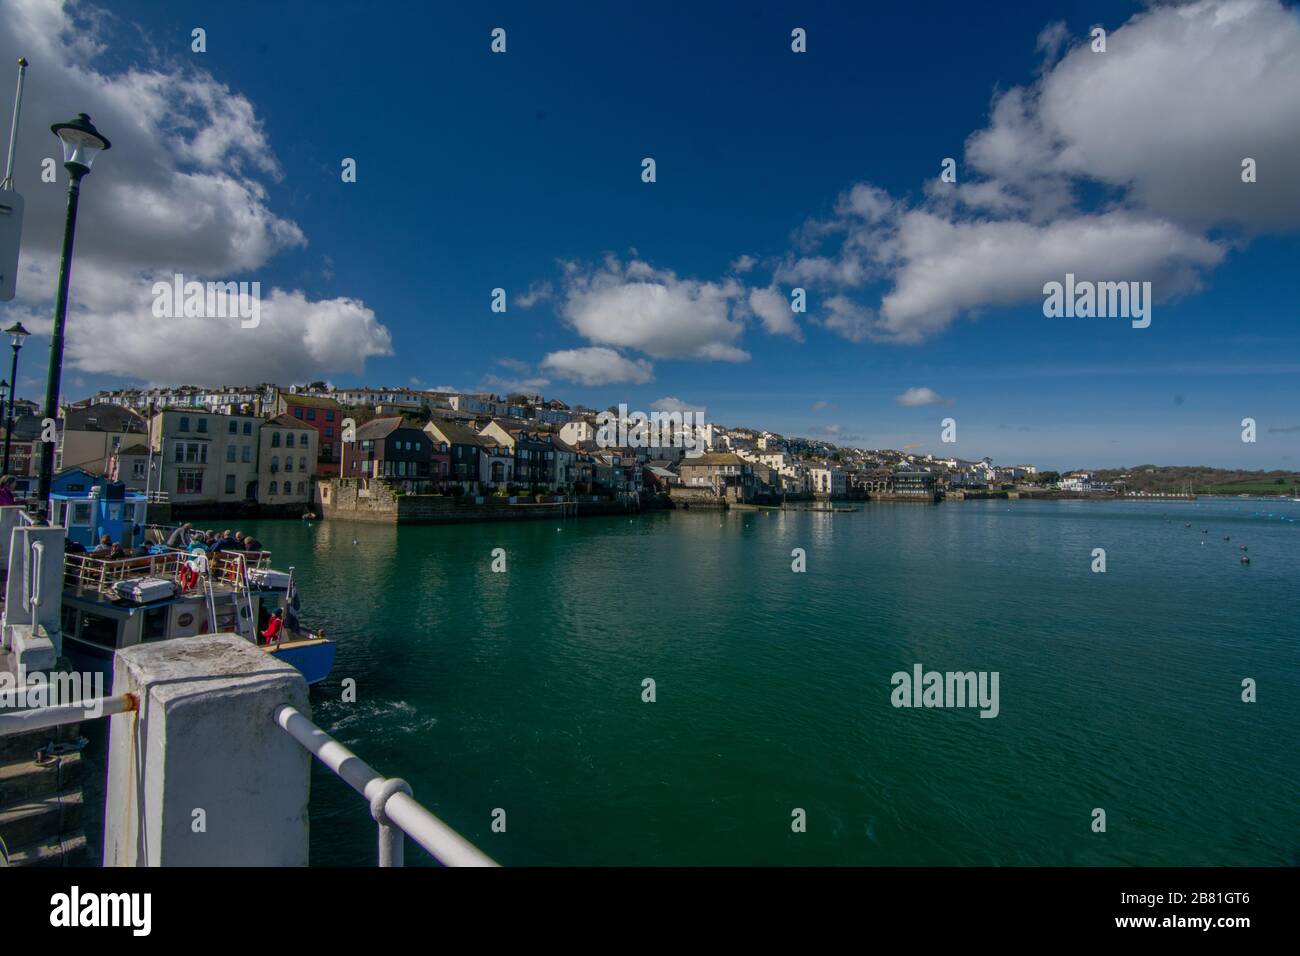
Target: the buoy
(1245, 559)
(1244, 548)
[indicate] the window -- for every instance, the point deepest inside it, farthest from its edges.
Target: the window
(80, 513)
(288, 462)
(302, 487)
(203, 424)
(246, 454)
(248, 428)
(230, 453)
(288, 440)
(275, 463)
(302, 463)
(417, 446)
(155, 623)
(275, 439)
(297, 413)
(329, 432)
(191, 453)
(230, 484)
(137, 469)
(189, 481)
(311, 414)
(274, 488)
(329, 416)
(327, 452)
(234, 427)
(184, 423)
(117, 442)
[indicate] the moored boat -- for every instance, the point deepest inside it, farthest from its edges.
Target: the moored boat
(109, 604)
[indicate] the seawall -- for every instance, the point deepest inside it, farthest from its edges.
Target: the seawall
(378, 503)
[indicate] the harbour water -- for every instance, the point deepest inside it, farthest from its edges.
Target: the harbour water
(523, 690)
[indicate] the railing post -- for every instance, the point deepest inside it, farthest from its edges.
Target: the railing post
(392, 841)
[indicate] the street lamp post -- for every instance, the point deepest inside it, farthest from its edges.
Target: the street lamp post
(17, 334)
(81, 144)
(4, 393)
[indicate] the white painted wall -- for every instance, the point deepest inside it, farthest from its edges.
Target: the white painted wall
(204, 739)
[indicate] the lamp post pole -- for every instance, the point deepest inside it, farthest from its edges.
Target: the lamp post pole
(18, 333)
(81, 142)
(56, 339)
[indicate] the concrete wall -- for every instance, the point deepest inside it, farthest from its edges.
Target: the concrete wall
(202, 775)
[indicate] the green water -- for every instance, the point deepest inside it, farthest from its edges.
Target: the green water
(523, 690)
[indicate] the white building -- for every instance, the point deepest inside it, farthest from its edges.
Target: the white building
(828, 481)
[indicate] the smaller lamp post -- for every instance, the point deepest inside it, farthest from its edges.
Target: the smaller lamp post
(17, 334)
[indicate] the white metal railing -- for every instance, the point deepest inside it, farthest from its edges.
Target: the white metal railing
(391, 804)
(41, 718)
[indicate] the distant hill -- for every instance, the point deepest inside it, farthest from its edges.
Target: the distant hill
(1202, 480)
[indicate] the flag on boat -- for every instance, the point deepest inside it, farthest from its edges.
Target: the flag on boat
(291, 605)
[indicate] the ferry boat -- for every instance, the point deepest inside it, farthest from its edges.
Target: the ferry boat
(163, 593)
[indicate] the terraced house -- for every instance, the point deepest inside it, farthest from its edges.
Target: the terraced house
(287, 458)
(534, 452)
(465, 449)
(325, 415)
(388, 449)
(206, 458)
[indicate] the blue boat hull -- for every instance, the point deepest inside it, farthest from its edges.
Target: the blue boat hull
(315, 659)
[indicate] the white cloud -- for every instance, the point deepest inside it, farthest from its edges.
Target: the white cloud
(653, 311)
(773, 310)
(181, 190)
(674, 404)
(294, 341)
(951, 266)
(743, 264)
(845, 317)
(1166, 114)
(537, 292)
(528, 386)
(597, 366)
(915, 397)
(1161, 121)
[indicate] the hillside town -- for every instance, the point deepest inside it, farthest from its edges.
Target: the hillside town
(269, 448)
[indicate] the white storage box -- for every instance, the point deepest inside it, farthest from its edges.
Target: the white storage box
(269, 580)
(145, 590)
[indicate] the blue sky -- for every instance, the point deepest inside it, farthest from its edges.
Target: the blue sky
(477, 171)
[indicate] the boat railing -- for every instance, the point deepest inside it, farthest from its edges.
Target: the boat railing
(83, 572)
(229, 569)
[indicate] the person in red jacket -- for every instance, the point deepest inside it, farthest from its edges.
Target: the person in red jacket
(273, 629)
